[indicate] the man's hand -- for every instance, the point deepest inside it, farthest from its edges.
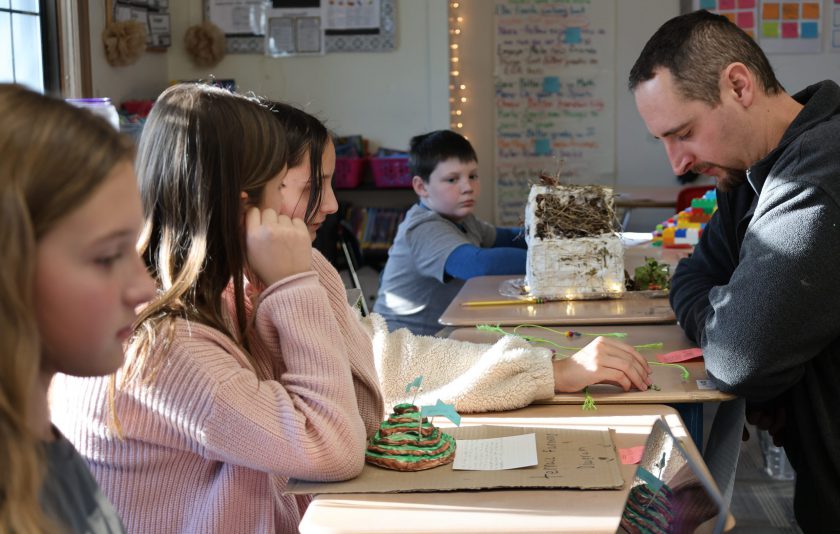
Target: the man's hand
(770, 417)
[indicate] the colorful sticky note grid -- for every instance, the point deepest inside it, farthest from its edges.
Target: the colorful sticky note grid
(791, 19)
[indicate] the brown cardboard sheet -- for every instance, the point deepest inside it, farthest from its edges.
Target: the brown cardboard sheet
(567, 458)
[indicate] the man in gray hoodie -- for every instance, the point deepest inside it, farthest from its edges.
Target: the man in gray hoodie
(760, 294)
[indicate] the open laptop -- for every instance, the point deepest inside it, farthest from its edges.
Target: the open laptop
(670, 492)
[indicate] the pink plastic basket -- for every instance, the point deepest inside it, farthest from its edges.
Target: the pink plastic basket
(348, 172)
(391, 172)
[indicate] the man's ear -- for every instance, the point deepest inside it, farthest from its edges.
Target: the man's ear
(738, 82)
(419, 187)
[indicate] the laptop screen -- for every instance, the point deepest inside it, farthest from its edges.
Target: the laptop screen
(670, 493)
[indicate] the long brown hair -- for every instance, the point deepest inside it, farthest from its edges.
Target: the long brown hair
(52, 158)
(201, 147)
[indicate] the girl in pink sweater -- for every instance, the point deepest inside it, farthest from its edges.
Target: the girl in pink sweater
(248, 367)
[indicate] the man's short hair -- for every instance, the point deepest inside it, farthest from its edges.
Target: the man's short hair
(429, 149)
(696, 48)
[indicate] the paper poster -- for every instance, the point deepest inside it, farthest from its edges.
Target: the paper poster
(238, 17)
(743, 13)
(791, 26)
(835, 26)
(555, 96)
(352, 14)
(295, 31)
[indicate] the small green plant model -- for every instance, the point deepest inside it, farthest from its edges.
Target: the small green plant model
(652, 276)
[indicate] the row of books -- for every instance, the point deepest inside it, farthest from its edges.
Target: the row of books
(374, 227)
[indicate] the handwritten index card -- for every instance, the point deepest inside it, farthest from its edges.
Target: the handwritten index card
(493, 454)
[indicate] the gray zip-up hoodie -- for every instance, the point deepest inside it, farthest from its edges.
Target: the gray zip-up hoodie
(764, 301)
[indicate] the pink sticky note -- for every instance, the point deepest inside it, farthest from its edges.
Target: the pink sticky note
(746, 20)
(680, 355)
(790, 30)
(746, 4)
(726, 4)
(631, 455)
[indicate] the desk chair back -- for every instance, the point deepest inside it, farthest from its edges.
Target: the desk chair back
(352, 251)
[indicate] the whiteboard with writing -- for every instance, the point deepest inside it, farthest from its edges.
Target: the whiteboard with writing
(554, 76)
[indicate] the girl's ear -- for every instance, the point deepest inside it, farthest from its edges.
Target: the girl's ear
(243, 201)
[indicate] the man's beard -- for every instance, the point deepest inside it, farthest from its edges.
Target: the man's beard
(732, 179)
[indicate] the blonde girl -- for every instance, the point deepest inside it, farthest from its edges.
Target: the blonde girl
(70, 281)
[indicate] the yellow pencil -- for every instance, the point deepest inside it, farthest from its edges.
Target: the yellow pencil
(471, 303)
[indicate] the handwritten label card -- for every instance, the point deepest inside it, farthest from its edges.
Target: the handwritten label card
(494, 454)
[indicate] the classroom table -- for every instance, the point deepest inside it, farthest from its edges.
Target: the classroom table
(504, 510)
(672, 389)
(630, 309)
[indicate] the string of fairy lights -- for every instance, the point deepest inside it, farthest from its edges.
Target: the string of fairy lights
(457, 87)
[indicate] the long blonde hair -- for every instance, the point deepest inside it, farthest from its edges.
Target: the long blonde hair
(201, 147)
(52, 157)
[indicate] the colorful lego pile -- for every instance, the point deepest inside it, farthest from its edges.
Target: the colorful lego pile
(683, 230)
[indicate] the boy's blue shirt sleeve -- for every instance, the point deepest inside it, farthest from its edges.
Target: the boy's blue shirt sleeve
(510, 237)
(468, 261)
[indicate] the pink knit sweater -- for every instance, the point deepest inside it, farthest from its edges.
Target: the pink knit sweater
(208, 447)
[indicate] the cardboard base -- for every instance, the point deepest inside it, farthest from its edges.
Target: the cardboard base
(567, 458)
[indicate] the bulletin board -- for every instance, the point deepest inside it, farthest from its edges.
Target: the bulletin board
(554, 77)
(153, 14)
(382, 40)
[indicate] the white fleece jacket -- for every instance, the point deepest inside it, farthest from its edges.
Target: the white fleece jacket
(476, 377)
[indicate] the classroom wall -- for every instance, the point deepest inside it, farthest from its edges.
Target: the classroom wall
(144, 79)
(388, 97)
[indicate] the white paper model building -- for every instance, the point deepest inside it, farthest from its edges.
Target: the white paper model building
(574, 251)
